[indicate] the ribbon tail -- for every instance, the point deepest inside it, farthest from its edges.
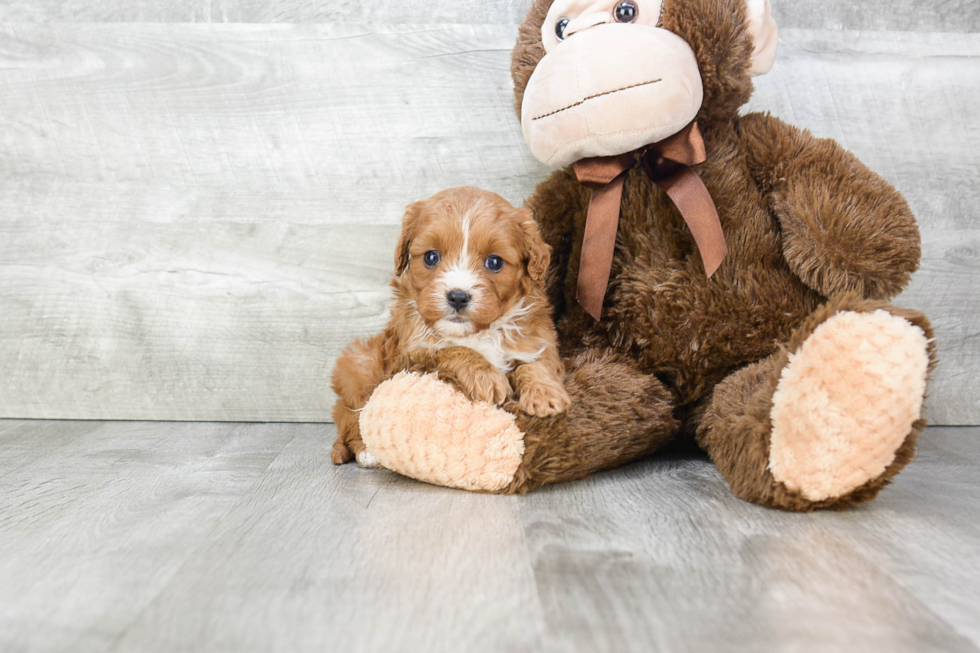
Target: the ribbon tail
(691, 196)
(599, 245)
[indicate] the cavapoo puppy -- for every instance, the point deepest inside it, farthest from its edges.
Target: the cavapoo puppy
(470, 305)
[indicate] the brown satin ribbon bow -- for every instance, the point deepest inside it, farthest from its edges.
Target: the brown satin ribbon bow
(668, 163)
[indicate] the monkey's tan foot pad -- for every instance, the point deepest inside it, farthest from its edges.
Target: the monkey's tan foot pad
(425, 429)
(846, 402)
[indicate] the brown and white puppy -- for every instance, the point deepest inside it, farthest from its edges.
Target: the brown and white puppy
(470, 303)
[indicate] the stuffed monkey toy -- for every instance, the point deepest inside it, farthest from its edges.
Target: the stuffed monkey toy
(718, 277)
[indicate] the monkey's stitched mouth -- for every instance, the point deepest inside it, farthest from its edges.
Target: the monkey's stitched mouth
(597, 95)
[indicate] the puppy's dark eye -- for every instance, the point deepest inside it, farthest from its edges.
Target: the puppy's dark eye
(560, 28)
(626, 12)
(495, 263)
(432, 259)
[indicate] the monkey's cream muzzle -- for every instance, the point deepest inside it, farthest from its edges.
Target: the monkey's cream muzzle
(609, 88)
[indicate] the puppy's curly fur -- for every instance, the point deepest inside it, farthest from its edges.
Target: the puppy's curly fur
(470, 305)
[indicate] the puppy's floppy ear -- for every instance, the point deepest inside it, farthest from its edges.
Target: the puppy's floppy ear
(538, 252)
(410, 224)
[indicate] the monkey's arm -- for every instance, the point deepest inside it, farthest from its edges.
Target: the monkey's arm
(844, 228)
(556, 203)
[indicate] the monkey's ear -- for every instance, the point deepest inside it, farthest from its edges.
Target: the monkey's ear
(410, 223)
(764, 34)
(539, 254)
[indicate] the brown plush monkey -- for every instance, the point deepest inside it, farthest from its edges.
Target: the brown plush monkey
(742, 300)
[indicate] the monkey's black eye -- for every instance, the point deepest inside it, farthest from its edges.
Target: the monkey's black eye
(560, 28)
(626, 12)
(494, 263)
(432, 259)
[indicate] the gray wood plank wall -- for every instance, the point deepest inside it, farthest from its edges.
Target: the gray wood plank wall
(902, 15)
(199, 199)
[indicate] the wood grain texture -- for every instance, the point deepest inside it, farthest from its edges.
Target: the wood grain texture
(868, 15)
(195, 218)
(209, 212)
(206, 537)
(330, 124)
(476, 12)
(901, 15)
(91, 530)
(97, 11)
(193, 321)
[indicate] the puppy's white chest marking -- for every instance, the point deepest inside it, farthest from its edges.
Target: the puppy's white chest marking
(490, 345)
(493, 343)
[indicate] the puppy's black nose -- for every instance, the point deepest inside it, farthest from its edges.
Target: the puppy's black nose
(458, 299)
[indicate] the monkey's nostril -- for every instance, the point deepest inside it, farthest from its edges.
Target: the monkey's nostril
(458, 299)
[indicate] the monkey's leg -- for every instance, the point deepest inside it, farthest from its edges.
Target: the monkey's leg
(421, 426)
(617, 415)
(828, 421)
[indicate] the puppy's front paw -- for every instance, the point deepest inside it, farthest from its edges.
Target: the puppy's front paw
(544, 400)
(485, 383)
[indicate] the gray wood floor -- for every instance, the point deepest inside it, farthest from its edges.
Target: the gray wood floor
(222, 537)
